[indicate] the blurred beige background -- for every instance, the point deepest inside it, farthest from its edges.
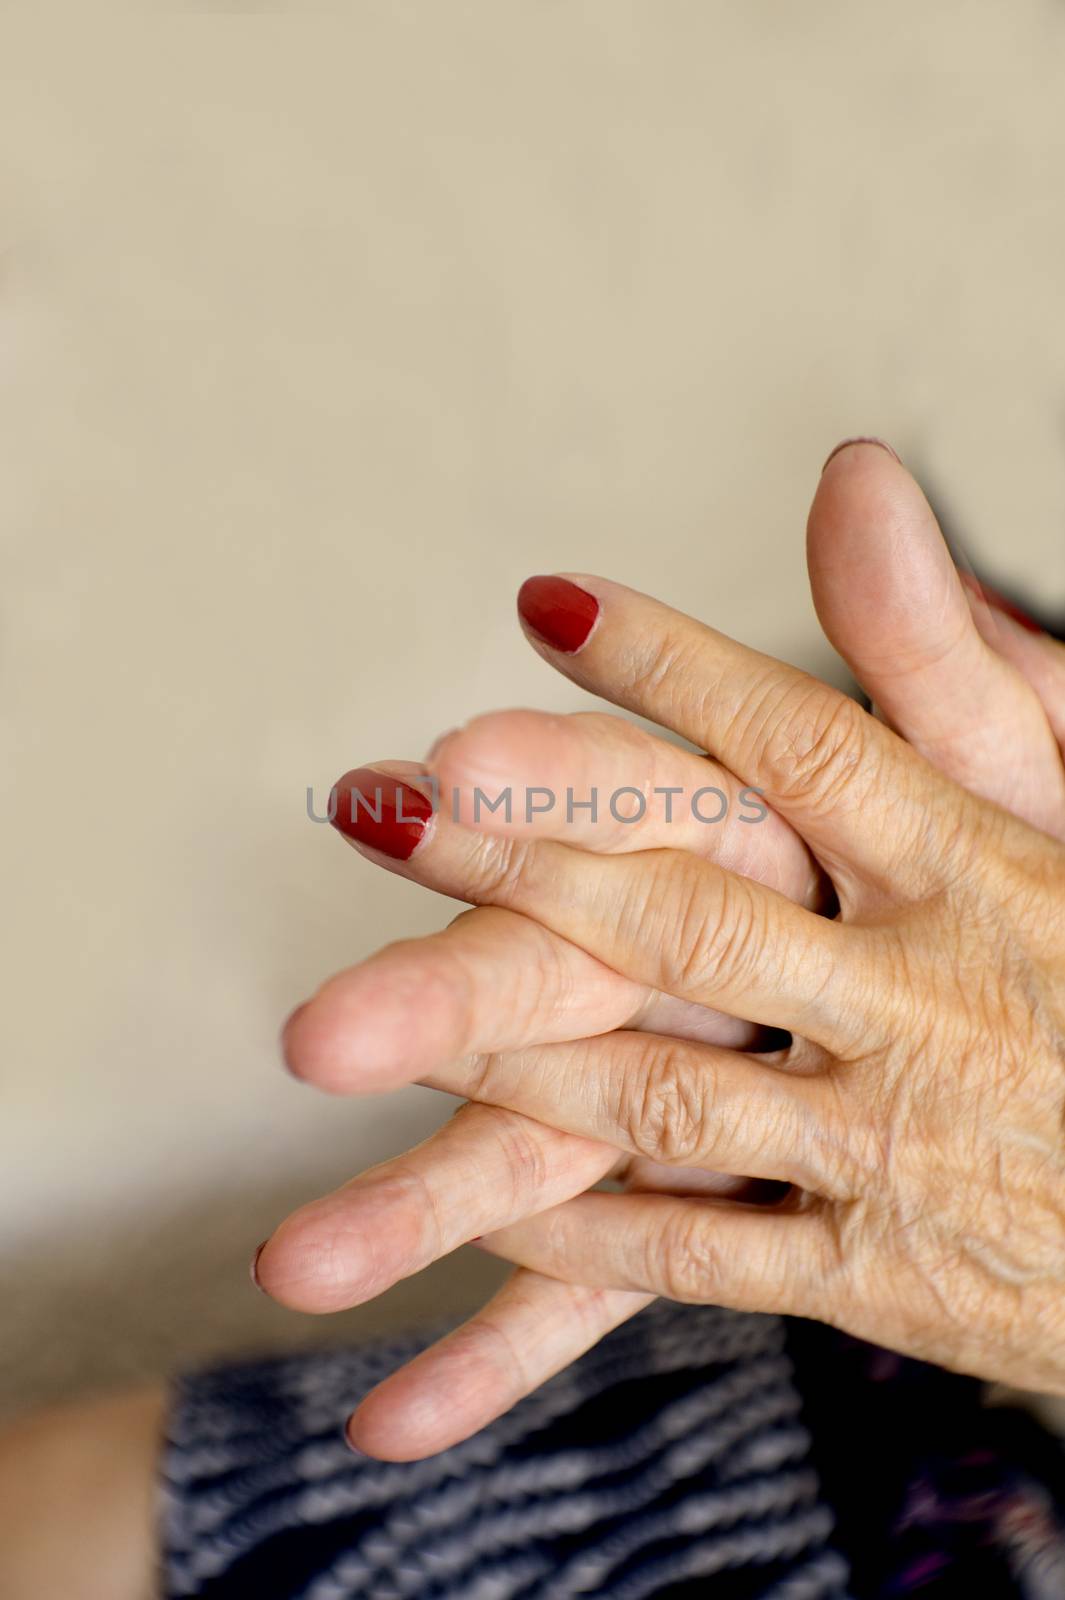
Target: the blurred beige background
(319, 333)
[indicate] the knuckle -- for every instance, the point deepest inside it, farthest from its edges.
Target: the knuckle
(855, 1142)
(509, 1353)
(474, 979)
(522, 1149)
(480, 1074)
(812, 744)
(507, 1155)
(717, 939)
(686, 1259)
(658, 663)
(499, 869)
(668, 1106)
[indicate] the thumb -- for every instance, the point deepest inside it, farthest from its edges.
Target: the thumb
(891, 602)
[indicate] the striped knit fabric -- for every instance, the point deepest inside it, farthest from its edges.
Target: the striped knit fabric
(671, 1453)
(694, 1453)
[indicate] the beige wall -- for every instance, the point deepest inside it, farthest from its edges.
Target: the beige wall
(316, 336)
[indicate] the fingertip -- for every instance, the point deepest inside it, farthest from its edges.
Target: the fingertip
(559, 612)
(349, 1440)
(476, 752)
(315, 1262)
(315, 1048)
(864, 485)
(865, 488)
(384, 808)
(883, 581)
(373, 1028)
(363, 1439)
(483, 766)
(290, 1042)
(439, 742)
(857, 440)
(390, 1428)
(935, 659)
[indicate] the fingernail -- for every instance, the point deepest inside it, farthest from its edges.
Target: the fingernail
(253, 1268)
(862, 438)
(558, 612)
(286, 1036)
(378, 810)
(348, 1441)
(999, 602)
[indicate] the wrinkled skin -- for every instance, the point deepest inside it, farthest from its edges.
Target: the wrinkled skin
(984, 701)
(918, 1111)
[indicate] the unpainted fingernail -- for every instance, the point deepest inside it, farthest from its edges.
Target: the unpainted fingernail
(352, 1446)
(253, 1268)
(862, 438)
(286, 1038)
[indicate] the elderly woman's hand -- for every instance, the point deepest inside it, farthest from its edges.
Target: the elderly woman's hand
(918, 1112)
(914, 684)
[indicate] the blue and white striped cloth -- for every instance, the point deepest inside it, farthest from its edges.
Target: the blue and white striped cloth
(675, 1460)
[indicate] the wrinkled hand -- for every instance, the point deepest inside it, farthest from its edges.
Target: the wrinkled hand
(918, 1113)
(326, 1019)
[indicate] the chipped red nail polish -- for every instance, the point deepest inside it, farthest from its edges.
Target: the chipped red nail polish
(558, 612)
(378, 810)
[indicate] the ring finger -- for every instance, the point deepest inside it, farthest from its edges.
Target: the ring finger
(482, 1170)
(663, 917)
(670, 1100)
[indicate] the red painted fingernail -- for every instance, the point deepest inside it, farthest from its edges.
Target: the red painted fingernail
(380, 811)
(862, 438)
(558, 612)
(253, 1267)
(999, 602)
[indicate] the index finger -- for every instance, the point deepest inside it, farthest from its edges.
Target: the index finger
(854, 790)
